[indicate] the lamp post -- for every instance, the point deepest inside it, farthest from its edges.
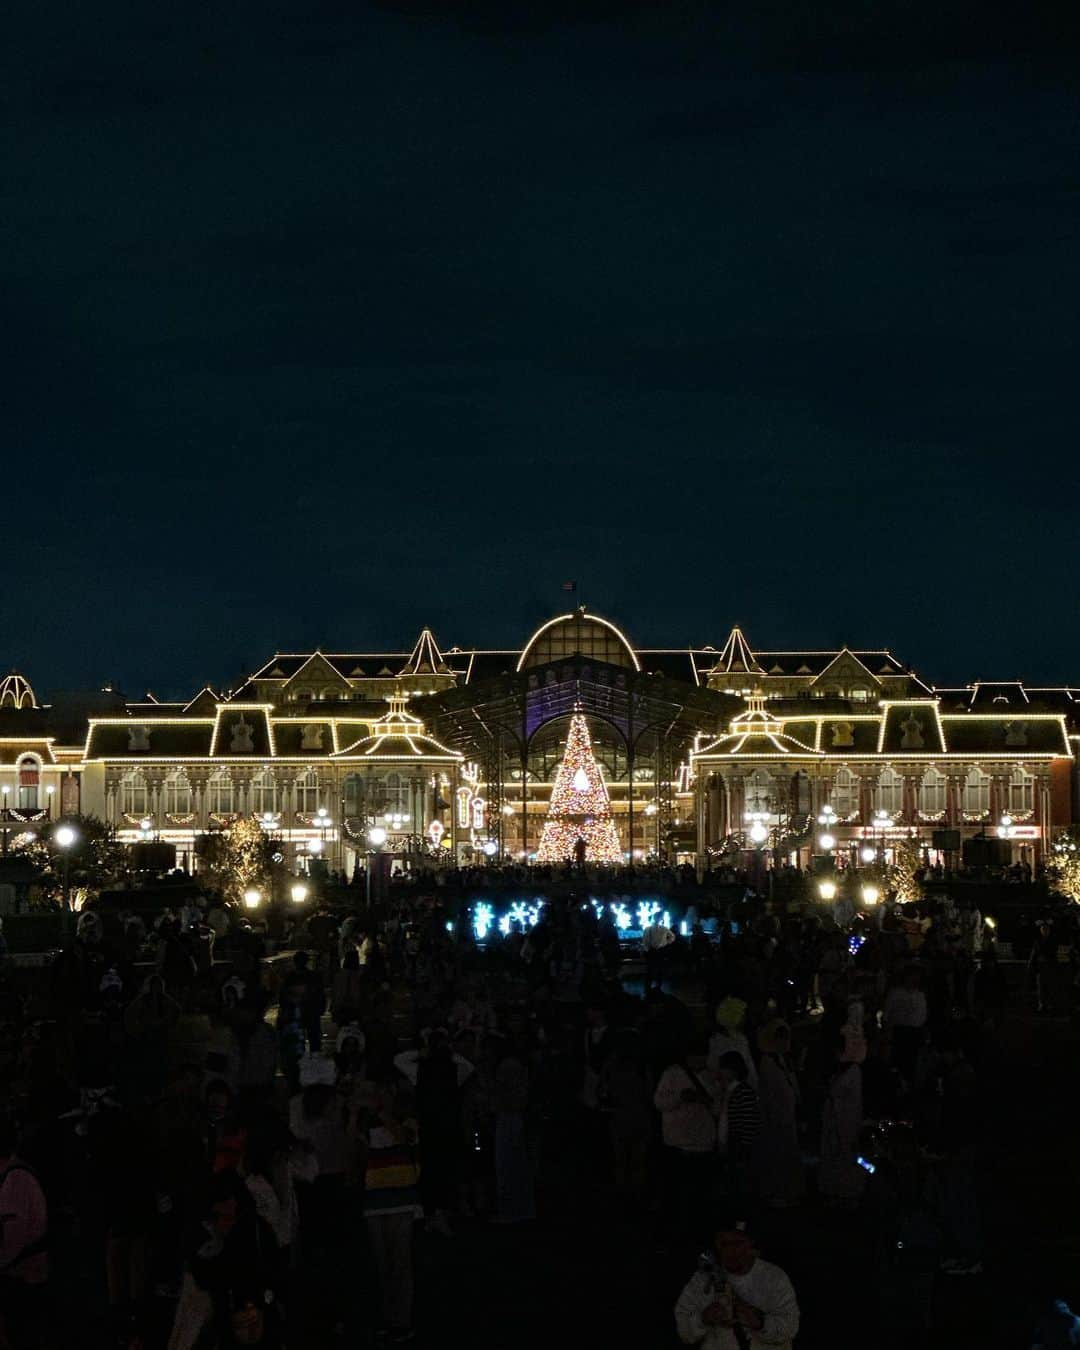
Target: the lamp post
(827, 890)
(252, 897)
(64, 838)
(827, 838)
(4, 797)
(298, 892)
(49, 795)
(376, 838)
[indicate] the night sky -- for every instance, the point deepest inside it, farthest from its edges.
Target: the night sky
(326, 320)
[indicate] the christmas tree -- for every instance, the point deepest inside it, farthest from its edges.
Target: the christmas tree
(580, 808)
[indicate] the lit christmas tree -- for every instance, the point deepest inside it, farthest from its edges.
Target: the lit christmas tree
(580, 808)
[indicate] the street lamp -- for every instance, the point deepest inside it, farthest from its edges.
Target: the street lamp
(827, 820)
(490, 848)
(1006, 829)
(49, 793)
(759, 830)
(870, 894)
(4, 791)
(868, 853)
(826, 842)
(252, 896)
(299, 892)
(827, 890)
(64, 839)
(376, 837)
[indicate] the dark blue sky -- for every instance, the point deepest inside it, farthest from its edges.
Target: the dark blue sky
(325, 320)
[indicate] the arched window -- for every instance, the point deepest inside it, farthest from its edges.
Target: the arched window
(264, 791)
(331, 691)
(890, 791)
(133, 794)
(845, 794)
(932, 792)
(759, 791)
(307, 792)
(1021, 790)
(29, 779)
(219, 793)
(353, 793)
(177, 793)
(976, 791)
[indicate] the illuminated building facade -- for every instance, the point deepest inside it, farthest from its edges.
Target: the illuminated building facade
(455, 748)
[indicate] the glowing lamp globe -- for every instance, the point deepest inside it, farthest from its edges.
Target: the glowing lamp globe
(376, 836)
(827, 841)
(299, 893)
(870, 895)
(65, 836)
(314, 846)
(867, 854)
(827, 890)
(490, 848)
(252, 898)
(758, 832)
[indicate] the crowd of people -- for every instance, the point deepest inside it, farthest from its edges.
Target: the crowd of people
(213, 1152)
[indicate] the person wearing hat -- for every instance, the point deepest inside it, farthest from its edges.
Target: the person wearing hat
(782, 1181)
(735, 1300)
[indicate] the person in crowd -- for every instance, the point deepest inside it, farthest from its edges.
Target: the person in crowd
(347, 992)
(840, 1177)
(904, 1018)
(689, 1098)
(24, 1244)
(741, 1129)
(514, 1195)
(782, 1179)
(625, 1094)
(392, 1205)
(737, 1301)
(304, 994)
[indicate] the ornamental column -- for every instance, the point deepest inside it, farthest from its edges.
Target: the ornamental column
(999, 795)
(909, 809)
(1043, 804)
(954, 798)
(198, 779)
(867, 783)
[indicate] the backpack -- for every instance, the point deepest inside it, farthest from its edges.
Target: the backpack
(40, 1245)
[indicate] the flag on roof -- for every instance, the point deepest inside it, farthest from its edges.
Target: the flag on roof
(569, 585)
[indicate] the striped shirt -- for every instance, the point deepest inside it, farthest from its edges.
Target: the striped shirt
(744, 1116)
(391, 1177)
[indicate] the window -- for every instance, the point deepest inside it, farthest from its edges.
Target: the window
(860, 695)
(395, 793)
(264, 791)
(976, 791)
(29, 776)
(932, 793)
(1021, 790)
(845, 795)
(759, 787)
(219, 793)
(890, 792)
(133, 795)
(177, 793)
(304, 696)
(307, 792)
(331, 692)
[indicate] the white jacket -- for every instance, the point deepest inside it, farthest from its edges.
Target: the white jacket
(766, 1288)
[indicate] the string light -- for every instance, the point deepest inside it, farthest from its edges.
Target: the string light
(580, 807)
